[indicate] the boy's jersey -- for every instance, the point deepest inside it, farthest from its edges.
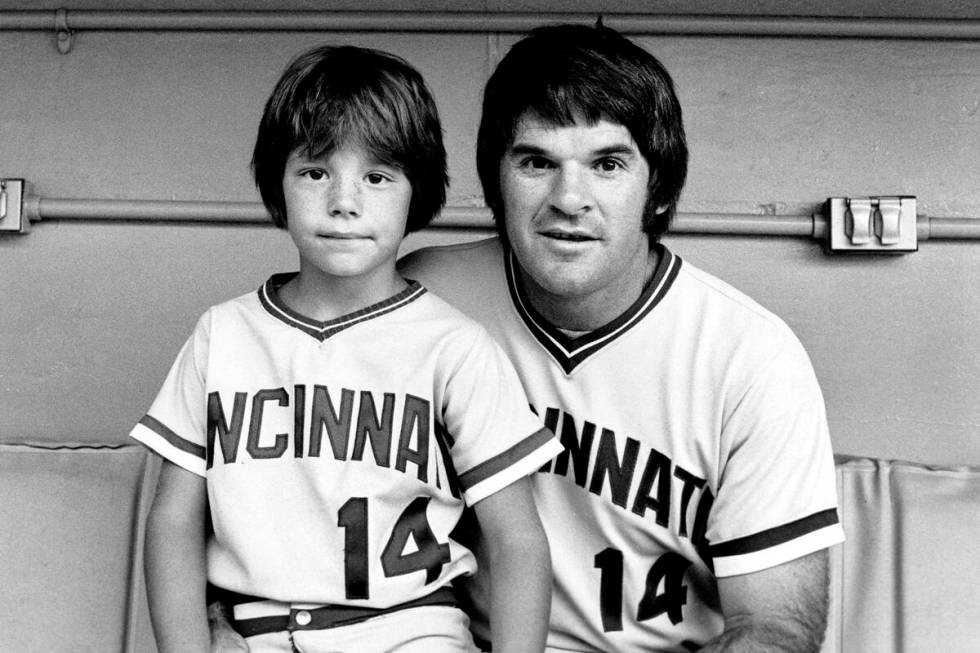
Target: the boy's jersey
(696, 447)
(339, 455)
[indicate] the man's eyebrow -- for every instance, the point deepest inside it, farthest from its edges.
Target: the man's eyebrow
(620, 149)
(616, 149)
(520, 149)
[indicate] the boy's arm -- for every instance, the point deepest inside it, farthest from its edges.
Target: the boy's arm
(175, 567)
(520, 569)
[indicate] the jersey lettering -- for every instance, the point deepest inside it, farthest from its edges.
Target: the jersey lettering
(620, 472)
(378, 431)
(229, 435)
(648, 484)
(325, 416)
(258, 405)
(351, 421)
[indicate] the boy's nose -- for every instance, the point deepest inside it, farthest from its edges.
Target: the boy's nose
(344, 199)
(571, 193)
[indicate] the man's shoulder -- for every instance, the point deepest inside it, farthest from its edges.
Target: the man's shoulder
(448, 261)
(704, 287)
(458, 273)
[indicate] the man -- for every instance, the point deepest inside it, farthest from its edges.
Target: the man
(695, 501)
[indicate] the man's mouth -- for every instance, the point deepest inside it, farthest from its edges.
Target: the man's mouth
(564, 235)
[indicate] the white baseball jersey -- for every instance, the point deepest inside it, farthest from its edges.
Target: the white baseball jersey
(696, 447)
(339, 455)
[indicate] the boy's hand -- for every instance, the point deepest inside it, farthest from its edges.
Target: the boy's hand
(224, 639)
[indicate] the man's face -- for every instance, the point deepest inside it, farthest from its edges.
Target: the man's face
(573, 201)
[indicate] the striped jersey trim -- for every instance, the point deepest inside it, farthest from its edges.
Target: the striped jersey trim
(269, 297)
(172, 438)
(775, 536)
(502, 461)
(570, 352)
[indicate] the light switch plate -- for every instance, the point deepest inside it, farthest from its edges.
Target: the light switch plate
(889, 232)
(12, 217)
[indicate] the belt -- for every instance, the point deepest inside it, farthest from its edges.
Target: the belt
(330, 616)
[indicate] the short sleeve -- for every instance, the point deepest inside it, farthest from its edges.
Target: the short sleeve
(175, 425)
(776, 497)
(495, 436)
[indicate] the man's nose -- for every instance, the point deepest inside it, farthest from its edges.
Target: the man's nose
(572, 191)
(344, 198)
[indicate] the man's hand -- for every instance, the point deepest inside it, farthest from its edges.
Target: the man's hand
(224, 639)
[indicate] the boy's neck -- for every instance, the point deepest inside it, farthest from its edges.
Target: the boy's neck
(324, 298)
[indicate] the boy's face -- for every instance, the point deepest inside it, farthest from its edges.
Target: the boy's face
(346, 213)
(573, 202)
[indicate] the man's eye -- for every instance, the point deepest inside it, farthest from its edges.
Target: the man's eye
(536, 163)
(608, 165)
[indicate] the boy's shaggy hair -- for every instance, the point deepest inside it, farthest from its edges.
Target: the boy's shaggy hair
(332, 96)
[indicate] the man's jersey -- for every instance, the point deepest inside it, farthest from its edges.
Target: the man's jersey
(339, 455)
(696, 447)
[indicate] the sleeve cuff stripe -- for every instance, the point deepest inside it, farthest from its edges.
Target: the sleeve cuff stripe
(775, 536)
(172, 438)
(504, 460)
(522, 468)
(747, 563)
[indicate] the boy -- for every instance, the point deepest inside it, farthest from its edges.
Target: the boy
(336, 421)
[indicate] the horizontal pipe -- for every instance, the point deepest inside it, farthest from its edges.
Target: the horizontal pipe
(466, 217)
(38, 208)
(423, 21)
(950, 229)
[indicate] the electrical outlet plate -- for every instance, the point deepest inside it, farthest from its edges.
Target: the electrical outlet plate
(873, 224)
(12, 216)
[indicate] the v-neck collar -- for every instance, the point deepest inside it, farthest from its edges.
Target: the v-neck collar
(273, 304)
(570, 352)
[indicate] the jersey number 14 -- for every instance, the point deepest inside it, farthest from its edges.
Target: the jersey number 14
(429, 554)
(669, 569)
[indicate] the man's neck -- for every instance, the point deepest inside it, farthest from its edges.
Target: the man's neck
(580, 314)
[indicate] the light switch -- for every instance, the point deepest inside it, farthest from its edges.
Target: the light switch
(857, 221)
(888, 223)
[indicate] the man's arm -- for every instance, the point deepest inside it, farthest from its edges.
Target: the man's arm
(519, 564)
(175, 564)
(779, 609)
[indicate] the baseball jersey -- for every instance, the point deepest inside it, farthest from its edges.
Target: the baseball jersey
(339, 455)
(696, 447)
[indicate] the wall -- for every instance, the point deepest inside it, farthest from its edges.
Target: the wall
(93, 312)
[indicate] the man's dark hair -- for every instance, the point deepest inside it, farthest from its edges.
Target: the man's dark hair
(564, 73)
(333, 96)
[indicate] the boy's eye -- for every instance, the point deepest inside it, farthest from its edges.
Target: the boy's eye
(376, 178)
(315, 174)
